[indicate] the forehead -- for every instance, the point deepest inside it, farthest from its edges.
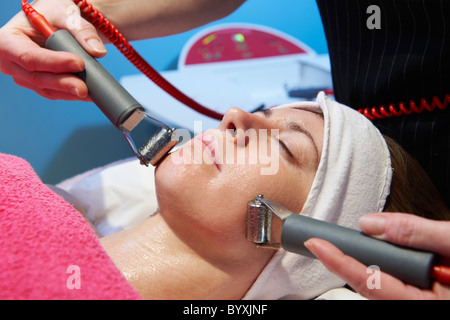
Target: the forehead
(297, 112)
(311, 118)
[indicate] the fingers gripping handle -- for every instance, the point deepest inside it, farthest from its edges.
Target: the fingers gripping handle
(411, 266)
(104, 90)
(124, 112)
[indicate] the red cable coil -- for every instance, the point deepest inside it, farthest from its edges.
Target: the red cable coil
(383, 112)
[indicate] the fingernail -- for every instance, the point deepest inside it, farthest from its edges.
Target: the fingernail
(75, 66)
(310, 246)
(96, 45)
(374, 224)
(75, 92)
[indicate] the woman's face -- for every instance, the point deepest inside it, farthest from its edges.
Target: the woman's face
(204, 187)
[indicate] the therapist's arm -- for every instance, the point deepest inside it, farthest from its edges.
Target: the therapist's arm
(142, 19)
(402, 229)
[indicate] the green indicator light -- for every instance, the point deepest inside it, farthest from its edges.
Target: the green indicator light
(239, 37)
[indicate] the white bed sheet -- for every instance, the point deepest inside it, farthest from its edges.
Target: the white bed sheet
(116, 196)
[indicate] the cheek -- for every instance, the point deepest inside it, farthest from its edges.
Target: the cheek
(290, 187)
(229, 196)
(216, 206)
(175, 183)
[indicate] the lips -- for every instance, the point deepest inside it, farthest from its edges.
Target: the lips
(209, 142)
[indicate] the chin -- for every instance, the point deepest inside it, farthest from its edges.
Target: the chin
(178, 184)
(168, 175)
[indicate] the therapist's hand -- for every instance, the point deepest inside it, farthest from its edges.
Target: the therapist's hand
(47, 72)
(402, 229)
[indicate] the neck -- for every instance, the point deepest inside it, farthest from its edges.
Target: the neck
(161, 266)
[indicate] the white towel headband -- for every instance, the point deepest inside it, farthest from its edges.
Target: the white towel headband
(353, 178)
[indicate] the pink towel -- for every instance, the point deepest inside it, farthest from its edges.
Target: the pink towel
(47, 249)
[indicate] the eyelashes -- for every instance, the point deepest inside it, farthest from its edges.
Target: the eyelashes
(285, 149)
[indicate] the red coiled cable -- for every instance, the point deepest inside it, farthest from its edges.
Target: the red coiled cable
(383, 112)
(112, 33)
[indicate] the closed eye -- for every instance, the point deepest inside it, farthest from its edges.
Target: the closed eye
(286, 149)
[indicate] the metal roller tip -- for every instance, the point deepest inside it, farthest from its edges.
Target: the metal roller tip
(158, 146)
(259, 220)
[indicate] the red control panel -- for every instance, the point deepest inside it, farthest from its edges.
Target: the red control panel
(237, 44)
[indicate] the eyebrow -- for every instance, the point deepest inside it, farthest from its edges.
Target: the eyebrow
(298, 127)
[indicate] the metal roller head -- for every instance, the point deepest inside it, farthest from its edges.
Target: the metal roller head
(265, 219)
(157, 146)
(259, 220)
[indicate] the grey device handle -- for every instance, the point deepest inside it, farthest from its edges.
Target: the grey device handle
(104, 90)
(409, 265)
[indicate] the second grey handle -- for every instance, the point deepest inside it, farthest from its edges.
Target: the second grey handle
(410, 266)
(104, 90)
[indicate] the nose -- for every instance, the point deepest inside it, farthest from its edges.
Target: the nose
(237, 119)
(238, 123)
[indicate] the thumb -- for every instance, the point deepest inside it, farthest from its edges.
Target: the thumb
(85, 33)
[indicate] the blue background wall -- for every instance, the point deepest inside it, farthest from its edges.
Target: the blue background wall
(61, 138)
